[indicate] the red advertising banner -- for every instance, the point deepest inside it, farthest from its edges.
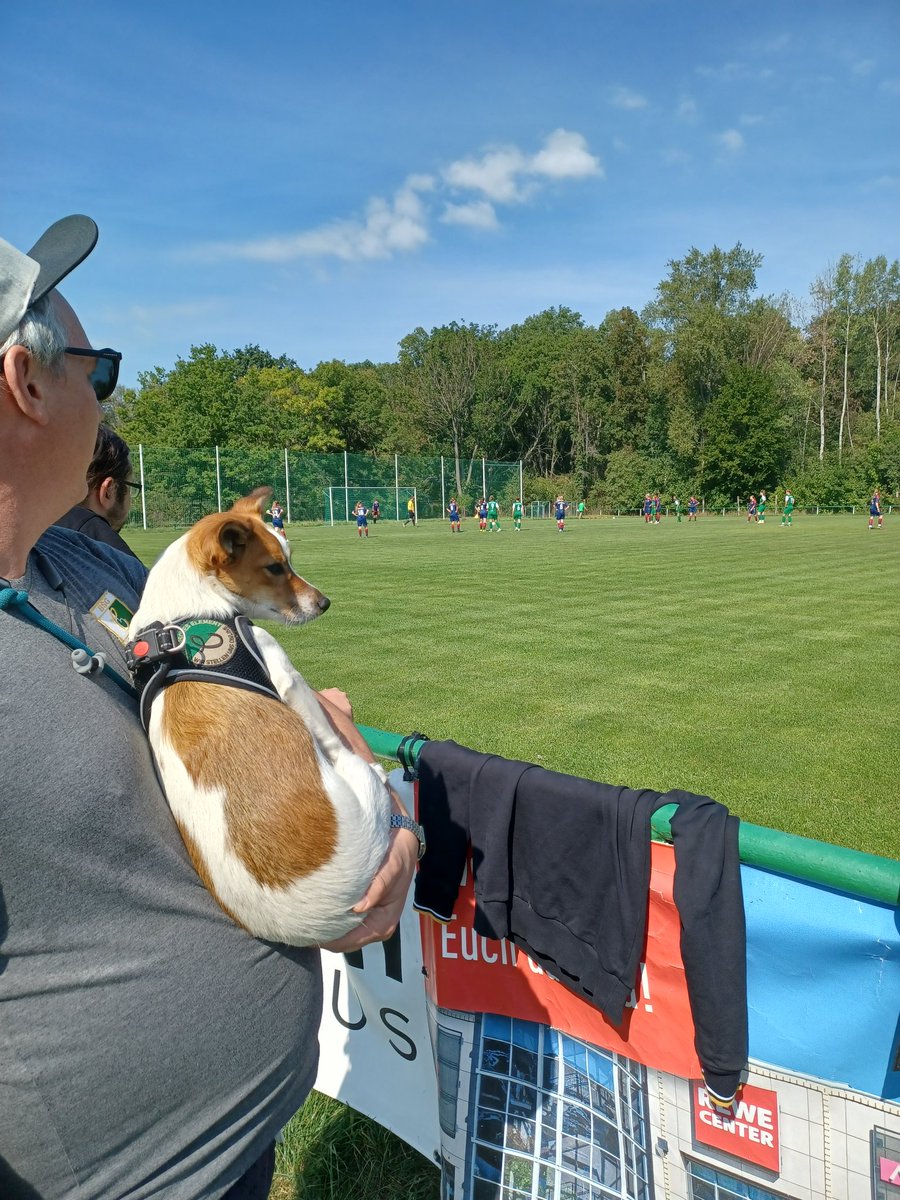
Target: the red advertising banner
(750, 1133)
(475, 974)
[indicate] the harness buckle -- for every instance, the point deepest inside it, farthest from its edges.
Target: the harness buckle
(154, 644)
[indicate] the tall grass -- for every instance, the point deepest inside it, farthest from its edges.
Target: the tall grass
(756, 664)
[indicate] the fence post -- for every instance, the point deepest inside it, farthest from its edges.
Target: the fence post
(346, 490)
(287, 487)
(483, 479)
(521, 486)
(218, 482)
(443, 496)
(143, 488)
(396, 487)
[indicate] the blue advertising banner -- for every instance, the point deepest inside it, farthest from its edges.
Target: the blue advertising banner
(823, 982)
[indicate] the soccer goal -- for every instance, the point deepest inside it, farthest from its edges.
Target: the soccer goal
(339, 501)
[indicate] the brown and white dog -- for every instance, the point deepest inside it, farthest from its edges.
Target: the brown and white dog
(285, 826)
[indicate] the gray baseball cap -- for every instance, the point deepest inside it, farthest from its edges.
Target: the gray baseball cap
(26, 278)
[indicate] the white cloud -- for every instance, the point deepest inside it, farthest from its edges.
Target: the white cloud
(503, 175)
(863, 66)
(389, 228)
(479, 214)
(565, 156)
(723, 73)
(495, 174)
(892, 86)
(421, 183)
(732, 72)
(748, 119)
(506, 175)
(623, 97)
(731, 140)
(774, 44)
(147, 314)
(675, 157)
(687, 110)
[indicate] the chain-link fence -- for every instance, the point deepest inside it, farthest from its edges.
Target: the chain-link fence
(180, 486)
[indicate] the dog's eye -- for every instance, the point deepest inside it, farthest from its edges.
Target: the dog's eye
(275, 568)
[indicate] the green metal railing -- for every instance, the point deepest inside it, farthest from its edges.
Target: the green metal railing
(851, 871)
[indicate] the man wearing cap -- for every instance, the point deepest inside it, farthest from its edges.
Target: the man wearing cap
(149, 1046)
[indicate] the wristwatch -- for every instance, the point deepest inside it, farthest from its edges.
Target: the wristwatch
(402, 821)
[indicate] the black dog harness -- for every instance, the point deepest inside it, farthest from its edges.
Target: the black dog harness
(202, 649)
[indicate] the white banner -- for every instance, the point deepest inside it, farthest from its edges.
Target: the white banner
(375, 1046)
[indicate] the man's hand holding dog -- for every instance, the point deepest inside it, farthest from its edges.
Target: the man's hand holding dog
(383, 902)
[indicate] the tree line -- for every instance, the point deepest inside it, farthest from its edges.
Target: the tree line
(711, 390)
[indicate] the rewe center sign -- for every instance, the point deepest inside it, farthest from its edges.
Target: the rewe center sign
(750, 1133)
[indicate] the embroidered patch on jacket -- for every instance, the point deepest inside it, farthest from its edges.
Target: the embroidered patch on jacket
(113, 614)
(208, 643)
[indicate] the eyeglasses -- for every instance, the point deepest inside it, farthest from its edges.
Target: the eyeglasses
(135, 487)
(105, 374)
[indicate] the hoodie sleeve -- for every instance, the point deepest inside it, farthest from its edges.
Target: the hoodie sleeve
(710, 903)
(444, 772)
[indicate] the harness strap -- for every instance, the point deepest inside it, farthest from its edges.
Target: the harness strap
(11, 599)
(203, 650)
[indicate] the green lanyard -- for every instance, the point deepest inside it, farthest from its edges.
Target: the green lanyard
(84, 660)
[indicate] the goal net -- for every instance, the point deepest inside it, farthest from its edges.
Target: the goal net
(339, 502)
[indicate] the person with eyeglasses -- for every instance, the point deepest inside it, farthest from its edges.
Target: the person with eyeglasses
(103, 511)
(150, 1046)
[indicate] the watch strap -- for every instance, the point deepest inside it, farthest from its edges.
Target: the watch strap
(402, 821)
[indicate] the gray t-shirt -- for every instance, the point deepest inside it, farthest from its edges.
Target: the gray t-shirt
(148, 1046)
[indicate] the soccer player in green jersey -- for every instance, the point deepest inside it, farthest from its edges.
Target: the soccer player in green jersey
(787, 517)
(761, 508)
(493, 513)
(517, 515)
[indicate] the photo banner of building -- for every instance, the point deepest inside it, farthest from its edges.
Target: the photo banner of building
(518, 1088)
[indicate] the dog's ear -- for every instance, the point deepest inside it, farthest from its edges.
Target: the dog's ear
(233, 538)
(255, 503)
(221, 544)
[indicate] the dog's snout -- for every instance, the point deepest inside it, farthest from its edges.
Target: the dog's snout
(323, 603)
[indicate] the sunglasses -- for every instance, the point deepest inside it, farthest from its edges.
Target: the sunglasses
(137, 488)
(105, 374)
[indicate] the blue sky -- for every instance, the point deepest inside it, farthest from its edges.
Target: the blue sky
(321, 178)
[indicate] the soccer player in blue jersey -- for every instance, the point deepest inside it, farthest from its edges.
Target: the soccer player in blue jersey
(453, 511)
(561, 507)
(361, 513)
(482, 514)
(692, 508)
(276, 512)
(875, 510)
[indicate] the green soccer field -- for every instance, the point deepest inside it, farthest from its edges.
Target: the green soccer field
(751, 663)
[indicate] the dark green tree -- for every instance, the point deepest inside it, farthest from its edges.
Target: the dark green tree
(746, 439)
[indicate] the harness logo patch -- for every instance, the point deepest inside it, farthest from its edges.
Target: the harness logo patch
(208, 643)
(113, 614)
